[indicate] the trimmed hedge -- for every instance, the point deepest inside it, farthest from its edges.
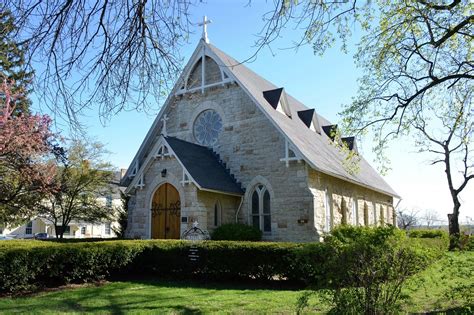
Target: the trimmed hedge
(428, 234)
(25, 265)
(438, 239)
(236, 232)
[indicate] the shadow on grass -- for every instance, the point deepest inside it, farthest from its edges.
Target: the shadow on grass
(143, 296)
(468, 310)
(211, 284)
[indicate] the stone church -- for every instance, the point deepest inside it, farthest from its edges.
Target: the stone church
(229, 146)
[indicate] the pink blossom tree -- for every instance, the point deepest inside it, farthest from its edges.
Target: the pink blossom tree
(26, 168)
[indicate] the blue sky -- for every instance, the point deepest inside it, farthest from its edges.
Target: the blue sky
(324, 83)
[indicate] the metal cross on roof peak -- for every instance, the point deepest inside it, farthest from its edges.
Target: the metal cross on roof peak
(204, 23)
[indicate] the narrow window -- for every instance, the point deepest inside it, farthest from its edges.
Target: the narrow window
(255, 210)
(217, 214)
(354, 218)
(267, 226)
(366, 214)
(327, 215)
(382, 220)
(83, 230)
(29, 228)
(374, 210)
(261, 211)
(344, 211)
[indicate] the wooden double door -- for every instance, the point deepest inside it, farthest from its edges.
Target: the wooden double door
(166, 213)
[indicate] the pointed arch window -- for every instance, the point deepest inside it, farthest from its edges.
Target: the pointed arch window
(366, 214)
(217, 214)
(327, 211)
(261, 211)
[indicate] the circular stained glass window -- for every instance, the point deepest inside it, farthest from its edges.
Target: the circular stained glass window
(207, 127)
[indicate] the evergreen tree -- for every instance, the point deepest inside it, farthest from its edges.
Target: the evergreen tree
(12, 63)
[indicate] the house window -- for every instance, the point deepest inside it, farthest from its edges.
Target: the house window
(83, 230)
(344, 211)
(217, 214)
(261, 214)
(207, 127)
(29, 228)
(107, 228)
(382, 220)
(366, 214)
(374, 209)
(108, 201)
(327, 215)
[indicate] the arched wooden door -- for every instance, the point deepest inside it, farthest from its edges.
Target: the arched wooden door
(166, 213)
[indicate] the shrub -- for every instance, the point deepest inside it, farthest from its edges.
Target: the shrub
(236, 232)
(360, 257)
(428, 234)
(366, 268)
(462, 242)
(435, 239)
(25, 265)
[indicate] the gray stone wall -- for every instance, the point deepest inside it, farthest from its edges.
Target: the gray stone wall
(252, 147)
(359, 202)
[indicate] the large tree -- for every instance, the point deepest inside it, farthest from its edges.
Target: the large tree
(407, 219)
(26, 142)
(444, 129)
(113, 55)
(412, 53)
(12, 63)
(83, 177)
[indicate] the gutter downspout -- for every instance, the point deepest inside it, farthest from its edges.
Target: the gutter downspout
(395, 212)
(238, 209)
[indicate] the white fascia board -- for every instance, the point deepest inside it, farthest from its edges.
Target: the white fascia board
(171, 95)
(151, 157)
(145, 164)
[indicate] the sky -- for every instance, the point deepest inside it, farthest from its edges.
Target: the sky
(321, 82)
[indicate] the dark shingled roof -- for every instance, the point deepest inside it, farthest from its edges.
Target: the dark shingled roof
(306, 116)
(204, 167)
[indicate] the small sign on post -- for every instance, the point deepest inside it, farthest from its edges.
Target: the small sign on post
(195, 234)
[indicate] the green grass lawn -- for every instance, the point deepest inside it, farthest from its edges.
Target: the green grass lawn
(428, 292)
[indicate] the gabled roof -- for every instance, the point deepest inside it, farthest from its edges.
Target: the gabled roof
(315, 148)
(204, 167)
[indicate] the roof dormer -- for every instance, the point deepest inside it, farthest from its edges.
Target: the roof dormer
(350, 142)
(330, 131)
(310, 119)
(277, 99)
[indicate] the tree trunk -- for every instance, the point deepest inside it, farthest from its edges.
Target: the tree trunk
(453, 222)
(59, 231)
